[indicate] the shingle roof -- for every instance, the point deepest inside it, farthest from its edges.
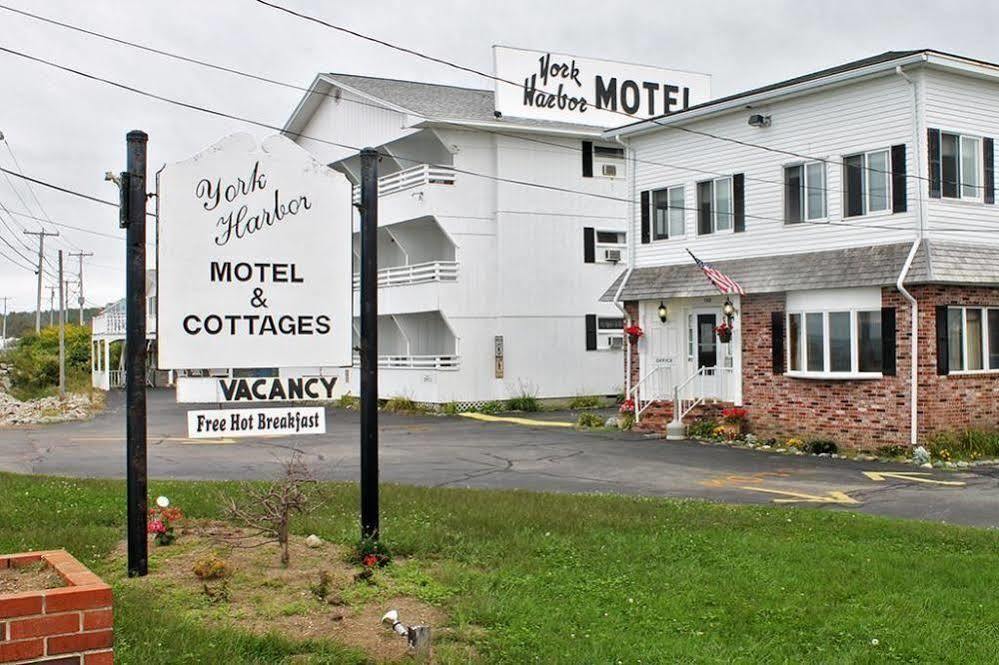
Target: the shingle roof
(879, 265)
(444, 102)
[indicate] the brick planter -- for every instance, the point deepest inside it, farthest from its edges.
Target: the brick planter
(69, 625)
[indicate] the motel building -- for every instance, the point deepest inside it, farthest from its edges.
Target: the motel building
(490, 289)
(866, 240)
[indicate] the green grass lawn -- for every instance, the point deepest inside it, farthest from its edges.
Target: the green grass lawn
(586, 579)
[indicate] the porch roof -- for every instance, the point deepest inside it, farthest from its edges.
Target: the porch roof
(878, 265)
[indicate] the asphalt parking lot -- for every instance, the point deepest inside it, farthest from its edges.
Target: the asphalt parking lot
(539, 453)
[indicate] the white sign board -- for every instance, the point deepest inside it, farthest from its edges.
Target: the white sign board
(588, 91)
(218, 423)
(256, 389)
(254, 259)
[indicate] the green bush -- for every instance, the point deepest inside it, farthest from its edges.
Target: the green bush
(491, 407)
(626, 420)
(892, 450)
(34, 362)
(588, 419)
(822, 446)
(584, 402)
(403, 405)
(970, 444)
(347, 401)
(523, 403)
(703, 428)
(450, 409)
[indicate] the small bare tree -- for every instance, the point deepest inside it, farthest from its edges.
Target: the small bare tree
(267, 512)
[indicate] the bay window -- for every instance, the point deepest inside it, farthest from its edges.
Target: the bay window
(832, 344)
(972, 339)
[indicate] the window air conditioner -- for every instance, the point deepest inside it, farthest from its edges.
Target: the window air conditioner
(616, 342)
(612, 255)
(608, 170)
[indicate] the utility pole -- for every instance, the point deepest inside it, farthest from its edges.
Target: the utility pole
(79, 300)
(3, 336)
(369, 344)
(52, 290)
(62, 332)
(133, 218)
(41, 256)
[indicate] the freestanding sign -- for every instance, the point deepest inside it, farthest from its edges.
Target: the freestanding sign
(554, 86)
(254, 259)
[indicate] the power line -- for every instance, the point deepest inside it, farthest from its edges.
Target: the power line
(521, 86)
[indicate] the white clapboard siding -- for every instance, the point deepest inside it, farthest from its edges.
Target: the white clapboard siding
(966, 105)
(862, 116)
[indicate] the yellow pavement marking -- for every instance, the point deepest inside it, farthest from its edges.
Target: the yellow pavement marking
(517, 421)
(799, 497)
(915, 476)
(722, 481)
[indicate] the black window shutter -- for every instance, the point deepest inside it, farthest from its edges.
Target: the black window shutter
(589, 246)
(587, 159)
(591, 332)
(943, 343)
(989, 159)
(646, 236)
(739, 201)
(898, 179)
(777, 341)
(704, 224)
(933, 154)
(888, 343)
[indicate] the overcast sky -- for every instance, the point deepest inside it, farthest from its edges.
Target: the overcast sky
(69, 130)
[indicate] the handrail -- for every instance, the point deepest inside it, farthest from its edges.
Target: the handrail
(682, 406)
(416, 273)
(636, 395)
(415, 176)
(444, 362)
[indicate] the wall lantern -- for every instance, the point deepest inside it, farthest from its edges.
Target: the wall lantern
(663, 312)
(728, 309)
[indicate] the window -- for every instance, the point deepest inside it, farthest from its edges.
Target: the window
(960, 166)
(610, 332)
(867, 180)
(804, 192)
(834, 343)
(667, 213)
(714, 206)
(608, 161)
(973, 339)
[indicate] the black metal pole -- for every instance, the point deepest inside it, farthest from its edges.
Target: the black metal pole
(135, 348)
(369, 343)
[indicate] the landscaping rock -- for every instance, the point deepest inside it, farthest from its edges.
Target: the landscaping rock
(920, 455)
(313, 541)
(611, 422)
(45, 410)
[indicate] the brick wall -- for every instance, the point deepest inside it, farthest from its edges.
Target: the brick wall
(631, 308)
(952, 401)
(864, 414)
(70, 625)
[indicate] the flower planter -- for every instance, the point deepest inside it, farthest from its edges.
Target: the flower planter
(66, 624)
(725, 337)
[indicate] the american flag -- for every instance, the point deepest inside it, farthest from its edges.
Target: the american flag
(724, 283)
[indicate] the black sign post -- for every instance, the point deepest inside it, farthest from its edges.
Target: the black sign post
(369, 343)
(133, 198)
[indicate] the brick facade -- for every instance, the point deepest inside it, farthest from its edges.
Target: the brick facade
(69, 625)
(856, 413)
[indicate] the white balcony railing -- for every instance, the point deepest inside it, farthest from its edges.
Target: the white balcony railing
(417, 273)
(415, 362)
(424, 174)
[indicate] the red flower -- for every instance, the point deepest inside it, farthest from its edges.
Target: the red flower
(157, 527)
(627, 406)
(370, 560)
(634, 331)
(734, 414)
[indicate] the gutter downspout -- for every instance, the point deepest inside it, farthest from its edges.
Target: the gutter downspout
(631, 259)
(913, 305)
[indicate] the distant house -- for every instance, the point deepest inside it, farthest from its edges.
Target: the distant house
(869, 214)
(108, 338)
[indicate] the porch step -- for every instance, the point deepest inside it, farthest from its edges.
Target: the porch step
(658, 416)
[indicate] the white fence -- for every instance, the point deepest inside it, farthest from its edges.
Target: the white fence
(424, 174)
(415, 362)
(417, 273)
